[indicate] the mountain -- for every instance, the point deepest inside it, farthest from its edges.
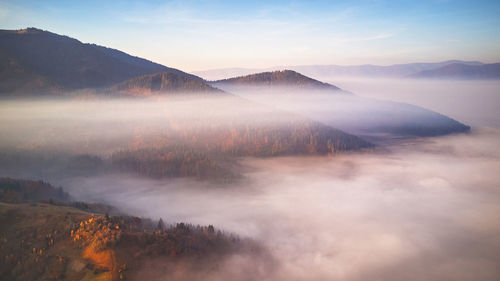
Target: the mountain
(390, 71)
(329, 71)
(283, 79)
(161, 83)
(33, 60)
(461, 72)
(184, 143)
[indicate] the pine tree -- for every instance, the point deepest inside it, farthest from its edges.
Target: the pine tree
(161, 225)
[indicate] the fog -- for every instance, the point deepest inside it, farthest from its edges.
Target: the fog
(411, 209)
(102, 125)
(426, 210)
(370, 117)
(474, 102)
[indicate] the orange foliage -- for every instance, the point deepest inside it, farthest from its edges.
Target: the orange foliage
(103, 259)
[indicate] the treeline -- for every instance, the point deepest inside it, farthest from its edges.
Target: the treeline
(18, 191)
(48, 164)
(170, 161)
(208, 154)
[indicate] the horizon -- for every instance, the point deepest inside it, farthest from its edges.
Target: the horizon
(271, 67)
(203, 35)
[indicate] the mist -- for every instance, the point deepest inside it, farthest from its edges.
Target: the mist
(426, 210)
(410, 209)
(370, 117)
(102, 125)
(474, 102)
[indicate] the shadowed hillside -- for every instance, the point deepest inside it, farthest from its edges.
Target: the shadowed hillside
(12, 190)
(33, 60)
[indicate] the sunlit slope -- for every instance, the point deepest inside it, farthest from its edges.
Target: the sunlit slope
(163, 83)
(54, 240)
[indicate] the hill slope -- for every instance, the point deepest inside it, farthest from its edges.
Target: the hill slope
(161, 83)
(461, 71)
(61, 241)
(63, 63)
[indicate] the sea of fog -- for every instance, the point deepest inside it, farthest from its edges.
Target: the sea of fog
(426, 210)
(419, 209)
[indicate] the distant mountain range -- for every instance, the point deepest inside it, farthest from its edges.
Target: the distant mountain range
(461, 72)
(410, 70)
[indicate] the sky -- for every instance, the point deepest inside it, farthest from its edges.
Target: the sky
(199, 35)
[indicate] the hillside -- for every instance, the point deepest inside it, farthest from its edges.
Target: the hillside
(161, 83)
(56, 241)
(60, 63)
(461, 72)
(284, 78)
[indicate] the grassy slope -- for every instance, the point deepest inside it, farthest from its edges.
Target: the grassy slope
(41, 241)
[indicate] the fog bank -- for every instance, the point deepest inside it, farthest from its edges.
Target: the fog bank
(472, 102)
(425, 210)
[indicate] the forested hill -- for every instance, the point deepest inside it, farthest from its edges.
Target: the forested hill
(284, 78)
(34, 60)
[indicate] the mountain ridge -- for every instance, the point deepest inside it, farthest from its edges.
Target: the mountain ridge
(461, 71)
(61, 63)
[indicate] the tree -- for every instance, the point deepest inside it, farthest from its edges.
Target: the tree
(211, 229)
(161, 225)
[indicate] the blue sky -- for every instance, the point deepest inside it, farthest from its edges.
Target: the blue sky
(196, 35)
